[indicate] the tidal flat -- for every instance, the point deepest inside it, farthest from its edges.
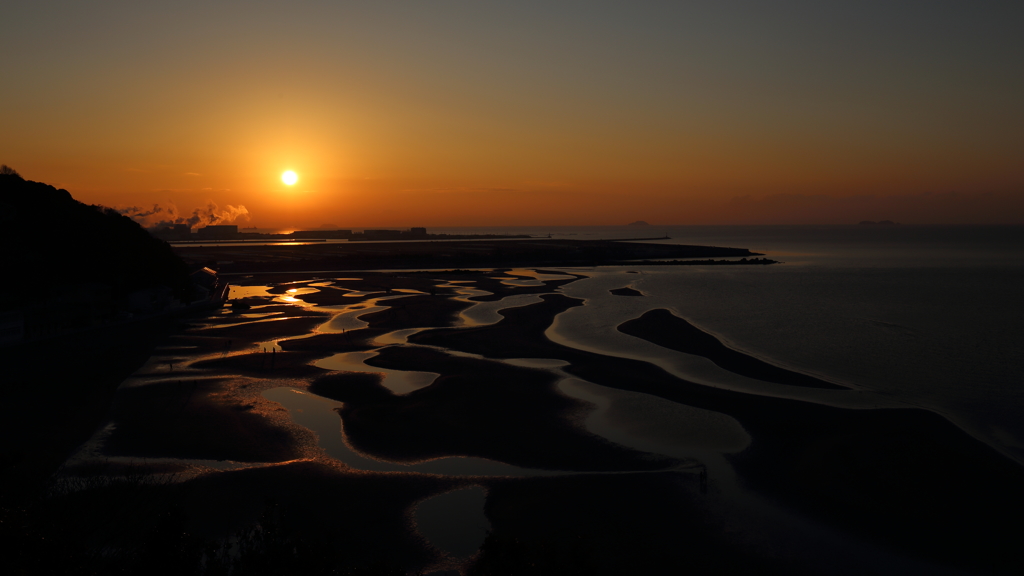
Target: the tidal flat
(418, 422)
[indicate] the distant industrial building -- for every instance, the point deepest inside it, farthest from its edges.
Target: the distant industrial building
(307, 234)
(382, 233)
(394, 234)
(408, 234)
(219, 231)
(173, 232)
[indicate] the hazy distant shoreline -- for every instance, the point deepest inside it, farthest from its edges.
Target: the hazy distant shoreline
(455, 254)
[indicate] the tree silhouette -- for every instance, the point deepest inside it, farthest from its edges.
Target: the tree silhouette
(54, 240)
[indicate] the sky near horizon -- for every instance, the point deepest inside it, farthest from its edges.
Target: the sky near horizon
(448, 113)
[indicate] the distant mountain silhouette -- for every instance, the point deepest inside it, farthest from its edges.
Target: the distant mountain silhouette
(50, 240)
(638, 223)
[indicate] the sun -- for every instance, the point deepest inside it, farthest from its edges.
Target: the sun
(289, 177)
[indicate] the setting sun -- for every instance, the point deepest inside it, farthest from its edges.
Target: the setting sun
(289, 177)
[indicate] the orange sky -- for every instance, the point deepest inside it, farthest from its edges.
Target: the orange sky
(468, 114)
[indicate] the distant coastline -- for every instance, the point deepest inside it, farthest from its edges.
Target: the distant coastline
(412, 255)
(230, 233)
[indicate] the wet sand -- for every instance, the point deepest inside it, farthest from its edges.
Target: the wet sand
(906, 480)
(589, 522)
(661, 327)
(459, 414)
(198, 419)
(882, 474)
(360, 517)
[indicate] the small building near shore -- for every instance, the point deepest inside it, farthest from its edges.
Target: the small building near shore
(204, 277)
(307, 234)
(173, 232)
(204, 281)
(382, 233)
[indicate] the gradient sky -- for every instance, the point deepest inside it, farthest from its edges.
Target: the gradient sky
(444, 113)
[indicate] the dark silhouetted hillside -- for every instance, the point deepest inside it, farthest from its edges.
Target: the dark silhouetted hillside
(50, 240)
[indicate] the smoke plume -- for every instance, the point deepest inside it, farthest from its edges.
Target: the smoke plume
(161, 215)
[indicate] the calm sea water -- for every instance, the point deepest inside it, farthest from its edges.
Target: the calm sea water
(907, 315)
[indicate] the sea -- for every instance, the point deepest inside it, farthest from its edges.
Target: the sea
(908, 316)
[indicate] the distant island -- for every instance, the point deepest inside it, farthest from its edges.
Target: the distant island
(638, 223)
(882, 223)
